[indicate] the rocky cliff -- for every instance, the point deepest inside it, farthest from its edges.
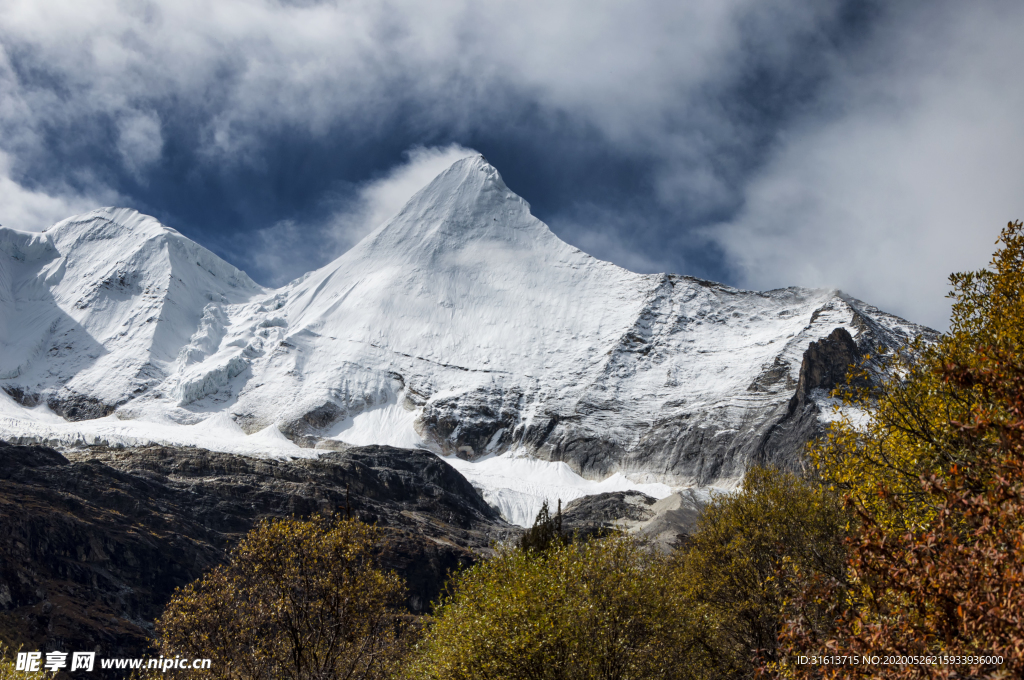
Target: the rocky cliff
(93, 544)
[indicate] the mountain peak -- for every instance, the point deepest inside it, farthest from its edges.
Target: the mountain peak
(468, 203)
(473, 171)
(111, 217)
(468, 190)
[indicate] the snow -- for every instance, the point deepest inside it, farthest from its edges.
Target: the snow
(102, 304)
(463, 304)
(389, 425)
(518, 484)
(217, 433)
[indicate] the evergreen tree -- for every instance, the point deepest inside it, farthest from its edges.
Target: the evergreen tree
(545, 532)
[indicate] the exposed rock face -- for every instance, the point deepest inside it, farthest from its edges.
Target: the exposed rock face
(825, 366)
(76, 407)
(674, 517)
(606, 512)
(826, 363)
(603, 510)
(663, 521)
(92, 545)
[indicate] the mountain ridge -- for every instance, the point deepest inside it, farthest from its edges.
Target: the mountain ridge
(462, 325)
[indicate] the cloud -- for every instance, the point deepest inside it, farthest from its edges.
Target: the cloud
(866, 145)
(287, 249)
(380, 199)
(637, 72)
(906, 172)
(26, 209)
(139, 140)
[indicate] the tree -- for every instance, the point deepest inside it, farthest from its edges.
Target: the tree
(609, 608)
(545, 532)
(910, 433)
(751, 553)
(939, 572)
(297, 599)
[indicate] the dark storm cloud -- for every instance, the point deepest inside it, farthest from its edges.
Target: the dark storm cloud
(731, 139)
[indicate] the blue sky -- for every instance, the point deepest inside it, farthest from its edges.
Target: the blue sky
(873, 147)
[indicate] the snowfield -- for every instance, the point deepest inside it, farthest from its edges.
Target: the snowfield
(462, 325)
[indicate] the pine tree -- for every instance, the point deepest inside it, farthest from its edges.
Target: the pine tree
(545, 532)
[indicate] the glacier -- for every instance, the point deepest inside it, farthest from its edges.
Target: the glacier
(462, 325)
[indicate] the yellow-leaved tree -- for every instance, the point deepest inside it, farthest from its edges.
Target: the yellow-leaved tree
(936, 474)
(297, 599)
(751, 553)
(606, 609)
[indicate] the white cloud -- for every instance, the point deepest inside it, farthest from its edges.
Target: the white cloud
(380, 199)
(913, 178)
(32, 210)
(900, 173)
(139, 140)
(250, 64)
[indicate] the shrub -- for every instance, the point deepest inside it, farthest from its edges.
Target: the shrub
(751, 553)
(608, 608)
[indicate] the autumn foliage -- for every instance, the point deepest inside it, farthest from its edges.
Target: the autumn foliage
(606, 609)
(750, 555)
(937, 481)
(297, 599)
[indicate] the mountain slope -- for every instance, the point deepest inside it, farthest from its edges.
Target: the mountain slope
(463, 325)
(462, 290)
(98, 307)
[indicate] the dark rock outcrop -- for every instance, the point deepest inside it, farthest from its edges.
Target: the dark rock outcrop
(606, 511)
(93, 544)
(825, 366)
(663, 521)
(74, 407)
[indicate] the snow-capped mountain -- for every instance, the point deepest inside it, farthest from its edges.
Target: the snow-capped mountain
(463, 324)
(97, 309)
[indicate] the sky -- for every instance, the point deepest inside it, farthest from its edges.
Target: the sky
(871, 147)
